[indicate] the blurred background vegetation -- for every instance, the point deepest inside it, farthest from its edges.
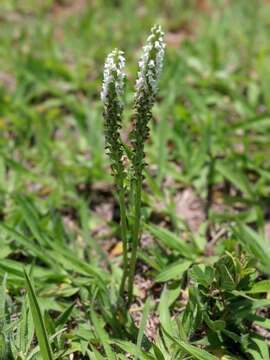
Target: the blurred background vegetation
(52, 55)
(214, 97)
(209, 153)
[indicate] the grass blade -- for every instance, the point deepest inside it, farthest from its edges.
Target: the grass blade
(43, 341)
(143, 322)
(171, 241)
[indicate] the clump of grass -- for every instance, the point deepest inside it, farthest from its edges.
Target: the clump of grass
(150, 67)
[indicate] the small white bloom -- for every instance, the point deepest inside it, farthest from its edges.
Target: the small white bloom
(113, 75)
(150, 63)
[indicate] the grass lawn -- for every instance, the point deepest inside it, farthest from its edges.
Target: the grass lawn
(202, 282)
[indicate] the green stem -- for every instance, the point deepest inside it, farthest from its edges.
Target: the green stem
(123, 220)
(135, 235)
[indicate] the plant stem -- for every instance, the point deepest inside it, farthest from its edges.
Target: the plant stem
(135, 235)
(123, 225)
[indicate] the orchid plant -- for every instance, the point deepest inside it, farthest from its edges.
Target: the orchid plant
(150, 67)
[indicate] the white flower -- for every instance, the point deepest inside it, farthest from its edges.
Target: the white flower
(113, 75)
(151, 62)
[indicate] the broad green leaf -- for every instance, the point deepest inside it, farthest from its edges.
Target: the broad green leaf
(260, 287)
(202, 274)
(172, 241)
(173, 271)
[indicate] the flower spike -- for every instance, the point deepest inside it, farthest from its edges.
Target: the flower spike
(111, 96)
(150, 64)
(114, 76)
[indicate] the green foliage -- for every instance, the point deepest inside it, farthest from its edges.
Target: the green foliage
(223, 300)
(204, 257)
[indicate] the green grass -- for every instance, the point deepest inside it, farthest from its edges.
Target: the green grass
(202, 286)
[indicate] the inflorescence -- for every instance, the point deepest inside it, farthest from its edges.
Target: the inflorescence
(114, 75)
(150, 64)
(111, 96)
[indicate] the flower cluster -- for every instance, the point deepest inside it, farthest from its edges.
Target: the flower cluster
(112, 91)
(150, 66)
(113, 76)
(151, 63)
